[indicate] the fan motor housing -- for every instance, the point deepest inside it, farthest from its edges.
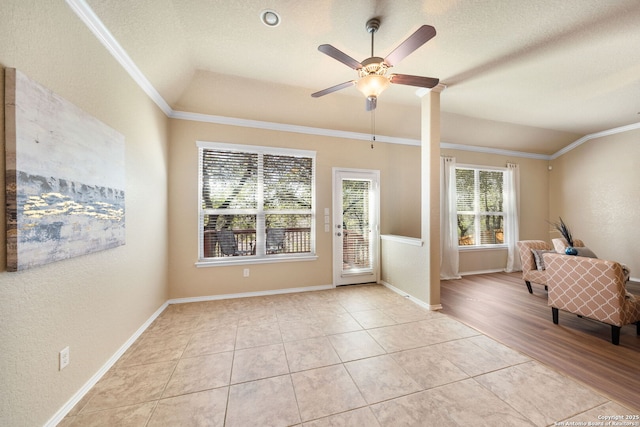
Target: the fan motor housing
(372, 25)
(373, 65)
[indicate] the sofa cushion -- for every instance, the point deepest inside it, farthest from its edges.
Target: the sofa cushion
(561, 244)
(586, 252)
(537, 255)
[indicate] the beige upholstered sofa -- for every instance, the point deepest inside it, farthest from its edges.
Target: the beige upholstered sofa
(592, 288)
(560, 244)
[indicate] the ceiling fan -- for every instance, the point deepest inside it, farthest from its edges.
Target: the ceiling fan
(372, 72)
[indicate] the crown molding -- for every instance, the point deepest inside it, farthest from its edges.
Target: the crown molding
(102, 33)
(487, 150)
(283, 127)
(586, 138)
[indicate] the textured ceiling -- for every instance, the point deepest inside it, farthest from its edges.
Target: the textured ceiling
(564, 65)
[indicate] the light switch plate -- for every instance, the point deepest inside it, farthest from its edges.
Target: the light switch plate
(64, 358)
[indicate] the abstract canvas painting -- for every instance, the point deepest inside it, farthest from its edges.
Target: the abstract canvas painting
(65, 177)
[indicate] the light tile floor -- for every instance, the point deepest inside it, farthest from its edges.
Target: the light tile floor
(351, 356)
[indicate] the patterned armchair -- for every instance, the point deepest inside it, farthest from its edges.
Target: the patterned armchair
(592, 288)
(532, 269)
(530, 272)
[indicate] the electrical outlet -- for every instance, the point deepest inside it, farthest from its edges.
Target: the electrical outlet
(64, 357)
(245, 273)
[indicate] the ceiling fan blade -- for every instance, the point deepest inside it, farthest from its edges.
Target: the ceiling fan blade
(415, 40)
(405, 79)
(333, 89)
(339, 56)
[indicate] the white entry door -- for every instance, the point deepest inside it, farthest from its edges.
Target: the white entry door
(356, 211)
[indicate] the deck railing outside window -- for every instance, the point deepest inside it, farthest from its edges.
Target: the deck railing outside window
(296, 240)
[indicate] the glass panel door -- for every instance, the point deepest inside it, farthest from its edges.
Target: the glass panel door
(355, 226)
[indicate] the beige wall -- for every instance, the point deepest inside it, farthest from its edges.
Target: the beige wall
(344, 110)
(534, 206)
(93, 303)
(398, 266)
(595, 188)
(96, 302)
(399, 193)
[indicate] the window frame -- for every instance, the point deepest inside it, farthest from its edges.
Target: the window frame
(260, 211)
(477, 214)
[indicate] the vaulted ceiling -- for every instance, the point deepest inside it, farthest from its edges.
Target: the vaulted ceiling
(565, 68)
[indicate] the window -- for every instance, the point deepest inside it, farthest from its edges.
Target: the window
(255, 203)
(480, 197)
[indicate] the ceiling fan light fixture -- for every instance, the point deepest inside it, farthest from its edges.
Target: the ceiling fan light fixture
(373, 65)
(372, 72)
(270, 18)
(372, 85)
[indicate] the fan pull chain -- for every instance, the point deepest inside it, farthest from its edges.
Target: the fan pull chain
(373, 127)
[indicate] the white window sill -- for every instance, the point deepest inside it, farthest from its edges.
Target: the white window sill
(244, 260)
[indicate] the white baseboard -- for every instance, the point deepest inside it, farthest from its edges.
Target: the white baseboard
(471, 273)
(62, 412)
(413, 299)
(250, 294)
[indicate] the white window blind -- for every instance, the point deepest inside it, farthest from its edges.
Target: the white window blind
(480, 197)
(356, 224)
(255, 202)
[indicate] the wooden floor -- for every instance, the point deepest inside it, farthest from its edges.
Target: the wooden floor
(499, 306)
